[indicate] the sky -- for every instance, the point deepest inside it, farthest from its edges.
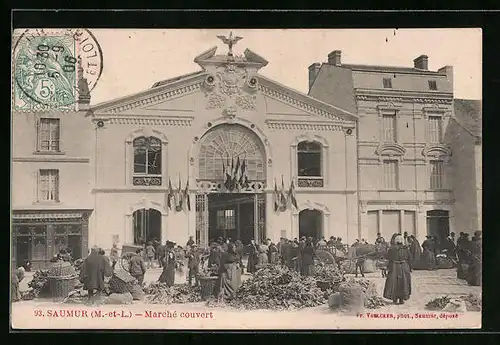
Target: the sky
(134, 59)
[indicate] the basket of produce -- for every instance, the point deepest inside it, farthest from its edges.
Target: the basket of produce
(62, 279)
(207, 285)
(120, 281)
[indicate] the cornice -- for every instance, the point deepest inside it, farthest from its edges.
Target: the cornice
(149, 121)
(301, 101)
(302, 126)
(148, 97)
(404, 96)
(52, 159)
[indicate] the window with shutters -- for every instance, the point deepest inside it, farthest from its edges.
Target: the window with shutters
(390, 174)
(391, 223)
(48, 185)
(223, 145)
(389, 127)
(48, 135)
(147, 161)
(436, 174)
(435, 129)
(387, 83)
(432, 85)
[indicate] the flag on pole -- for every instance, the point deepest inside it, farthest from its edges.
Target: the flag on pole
(236, 173)
(276, 197)
(243, 175)
(227, 176)
(170, 194)
(291, 195)
(187, 199)
(282, 193)
(178, 195)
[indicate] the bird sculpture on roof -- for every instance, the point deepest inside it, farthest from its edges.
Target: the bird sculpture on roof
(229, 41)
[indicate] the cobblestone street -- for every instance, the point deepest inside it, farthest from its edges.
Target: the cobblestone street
(426, 285)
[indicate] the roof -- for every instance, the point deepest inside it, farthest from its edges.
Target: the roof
(168, 81)
(389, 69)
(468, 113)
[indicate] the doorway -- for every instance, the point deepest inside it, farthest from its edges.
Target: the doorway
(311, 224)
(438, 224)
(233, 215)
(147, 226)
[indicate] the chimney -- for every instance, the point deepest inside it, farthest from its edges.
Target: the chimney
(421, 62)
(313, 73)
(448, 70)
(83, 93)
(334, 58)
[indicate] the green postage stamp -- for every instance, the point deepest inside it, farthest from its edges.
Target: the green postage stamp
(47, 66)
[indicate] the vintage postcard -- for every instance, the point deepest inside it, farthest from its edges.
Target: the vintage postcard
(246, 179)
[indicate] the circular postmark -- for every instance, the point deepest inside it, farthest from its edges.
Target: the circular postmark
(53, 68)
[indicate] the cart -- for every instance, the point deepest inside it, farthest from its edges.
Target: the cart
(128, 252)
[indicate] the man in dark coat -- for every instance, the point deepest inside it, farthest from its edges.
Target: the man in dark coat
(253, 254)
(193, 265)
(415, 252)
(286, 254)
(160, 252)
(474, 276)
(92, 273)
(137, 267)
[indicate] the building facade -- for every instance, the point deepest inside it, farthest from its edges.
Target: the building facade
(225, 151)
(154, 165)
(418, 165)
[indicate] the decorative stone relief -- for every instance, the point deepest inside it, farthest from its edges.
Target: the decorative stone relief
(364, 206)
(230, 88)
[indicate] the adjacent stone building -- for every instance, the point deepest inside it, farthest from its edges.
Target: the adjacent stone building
(419, 150)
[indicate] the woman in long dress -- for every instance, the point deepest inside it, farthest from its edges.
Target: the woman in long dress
(428, 261)
(169, 261)
(252, 257)
(229, 274)
(415, 252)
(474, 276)
(398, 282)
(308, 254)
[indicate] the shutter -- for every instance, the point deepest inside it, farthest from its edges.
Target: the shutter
(409, 222)
(372, 225)
(390, 223)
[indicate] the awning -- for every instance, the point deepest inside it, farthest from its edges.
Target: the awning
(50, 214)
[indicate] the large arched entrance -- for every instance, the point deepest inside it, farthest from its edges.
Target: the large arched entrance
(147, 225)
(231, 180)
(311, 223)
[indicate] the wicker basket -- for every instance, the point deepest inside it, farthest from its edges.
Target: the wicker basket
(207, 285)
(60, 287)
(120, 282)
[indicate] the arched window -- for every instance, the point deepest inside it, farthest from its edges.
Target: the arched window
(309, 159)
(221, 148)
(147, 161)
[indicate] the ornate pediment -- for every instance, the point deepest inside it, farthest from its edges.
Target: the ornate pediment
(390, 149)
(437, 151)
(231, 88)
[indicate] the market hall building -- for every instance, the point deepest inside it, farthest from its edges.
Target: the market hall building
(109, 169)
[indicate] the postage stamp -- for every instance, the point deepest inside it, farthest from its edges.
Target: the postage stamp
(48, 65)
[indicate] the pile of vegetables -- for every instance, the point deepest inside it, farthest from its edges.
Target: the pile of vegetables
(368, 286)
(473, 302)
(438, 303)
(375, 302)
(39, 285)
(275, 287)
(160, 293)
(328, 276)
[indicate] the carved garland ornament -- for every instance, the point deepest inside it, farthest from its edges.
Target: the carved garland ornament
(231, 88)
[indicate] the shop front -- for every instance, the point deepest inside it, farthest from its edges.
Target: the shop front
(39, 235)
